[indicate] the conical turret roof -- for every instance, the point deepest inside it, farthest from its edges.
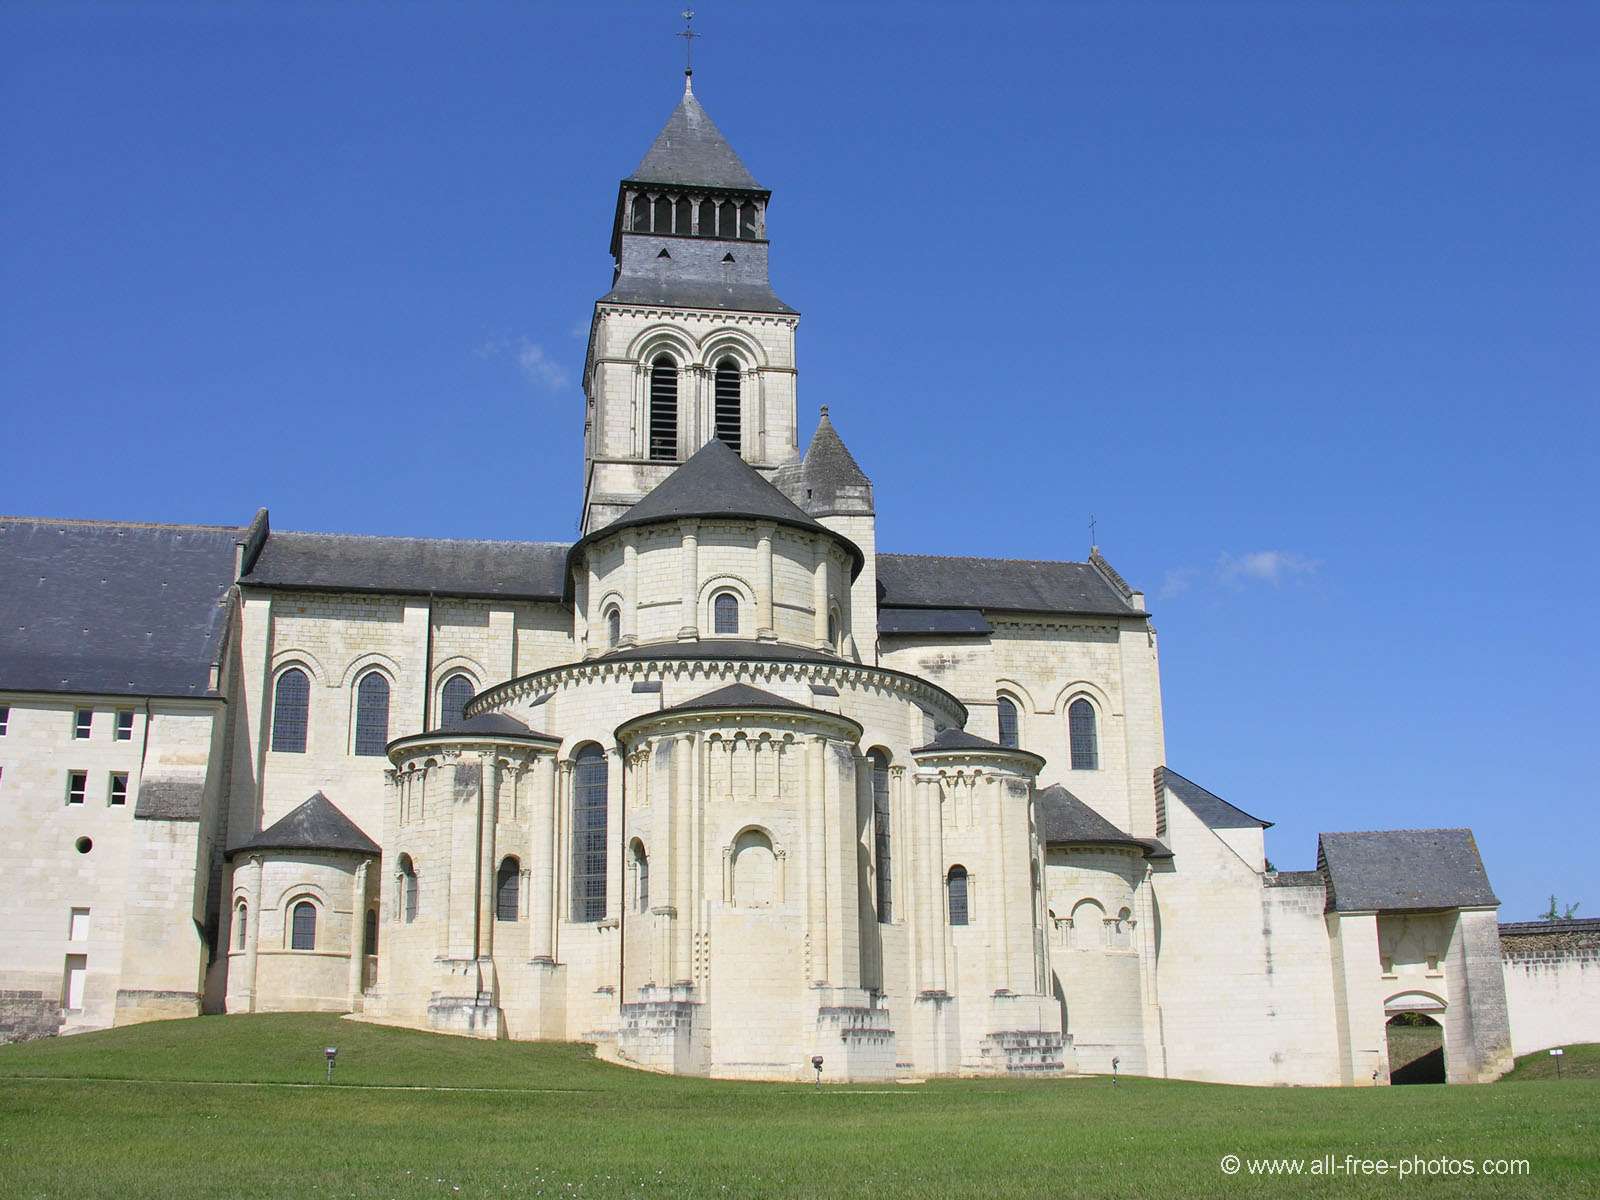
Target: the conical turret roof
(315, 825)
(716, 482)
(690, 150)
(827, 480)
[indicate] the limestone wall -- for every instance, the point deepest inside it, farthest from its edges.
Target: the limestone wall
(1043, 664)
(97, 859)
(1552, 982)
(663, 580)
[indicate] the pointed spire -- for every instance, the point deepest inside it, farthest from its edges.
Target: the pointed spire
(827, 479)
(691, 150)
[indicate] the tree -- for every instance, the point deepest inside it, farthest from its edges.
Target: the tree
(1557, 913)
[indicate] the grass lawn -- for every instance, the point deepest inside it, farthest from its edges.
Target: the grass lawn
(159, 1110)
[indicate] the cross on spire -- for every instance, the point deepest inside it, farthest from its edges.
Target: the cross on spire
(688, 35)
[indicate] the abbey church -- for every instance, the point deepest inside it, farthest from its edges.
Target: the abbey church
(719, 787)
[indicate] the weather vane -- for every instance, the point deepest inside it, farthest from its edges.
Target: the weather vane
(688, 35)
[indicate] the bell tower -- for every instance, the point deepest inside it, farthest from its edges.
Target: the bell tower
(690, 343)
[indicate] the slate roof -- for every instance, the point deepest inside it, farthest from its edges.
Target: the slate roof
(342, 562)
(690, 149)
(1399, 870)
(1213, 811)
(315, 825)
(113, 607)
(947, 622)
(169, 798)
(826, 479)
(998, 584)
(1064, 819)
(492, 724)
(738, 695)
(960, 739)
(715, 482)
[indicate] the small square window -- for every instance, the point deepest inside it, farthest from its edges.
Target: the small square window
(124, 724)
(83, 723)
(77, 786)
(119, 787)
(5, 718)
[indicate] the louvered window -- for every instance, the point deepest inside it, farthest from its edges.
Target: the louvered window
(728, 406)
(747, 220)
(663, 409)
(641, 214)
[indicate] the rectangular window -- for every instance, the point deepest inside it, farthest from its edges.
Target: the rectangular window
(72, 985)
(77, 786)
(78, 926)
(119, 787)
(5, 718)
(83, 723)
(124, 724)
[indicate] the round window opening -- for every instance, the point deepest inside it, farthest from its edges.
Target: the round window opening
(84, 845)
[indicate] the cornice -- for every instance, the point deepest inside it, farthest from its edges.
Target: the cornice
(542, 684)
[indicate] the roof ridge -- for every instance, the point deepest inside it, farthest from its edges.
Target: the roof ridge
(107, 522)
(1043, 562)
(407, 537)
(1404, 829)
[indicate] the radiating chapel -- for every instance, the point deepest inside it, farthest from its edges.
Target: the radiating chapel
(719, 786)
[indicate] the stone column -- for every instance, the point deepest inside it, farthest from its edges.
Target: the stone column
(358, 931)
(488, 864)
(680, 877)
(615, 878)
(562, 856)
(938, 931)
(592, 623)
(541, 862)
(816, 800)
(765, 630)
(689, 557)
(630, 589)
(819, 596)
(252, 941)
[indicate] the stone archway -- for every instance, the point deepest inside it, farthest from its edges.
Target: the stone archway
(1415, 1034)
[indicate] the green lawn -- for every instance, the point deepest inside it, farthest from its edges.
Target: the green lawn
(156, 1110)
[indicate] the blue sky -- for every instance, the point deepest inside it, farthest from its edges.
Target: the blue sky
(1299, 300)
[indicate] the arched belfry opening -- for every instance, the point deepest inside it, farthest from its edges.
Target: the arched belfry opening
(663, 409)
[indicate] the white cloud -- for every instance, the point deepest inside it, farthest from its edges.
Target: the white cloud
(1177, 581)
(1264, 566)
(531, 358)
(1273, 567)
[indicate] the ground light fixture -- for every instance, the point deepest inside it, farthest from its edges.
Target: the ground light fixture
(816, 1061)
(1115, 1063)
(330, 1053)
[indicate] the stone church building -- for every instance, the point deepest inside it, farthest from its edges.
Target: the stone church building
(719, 786)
